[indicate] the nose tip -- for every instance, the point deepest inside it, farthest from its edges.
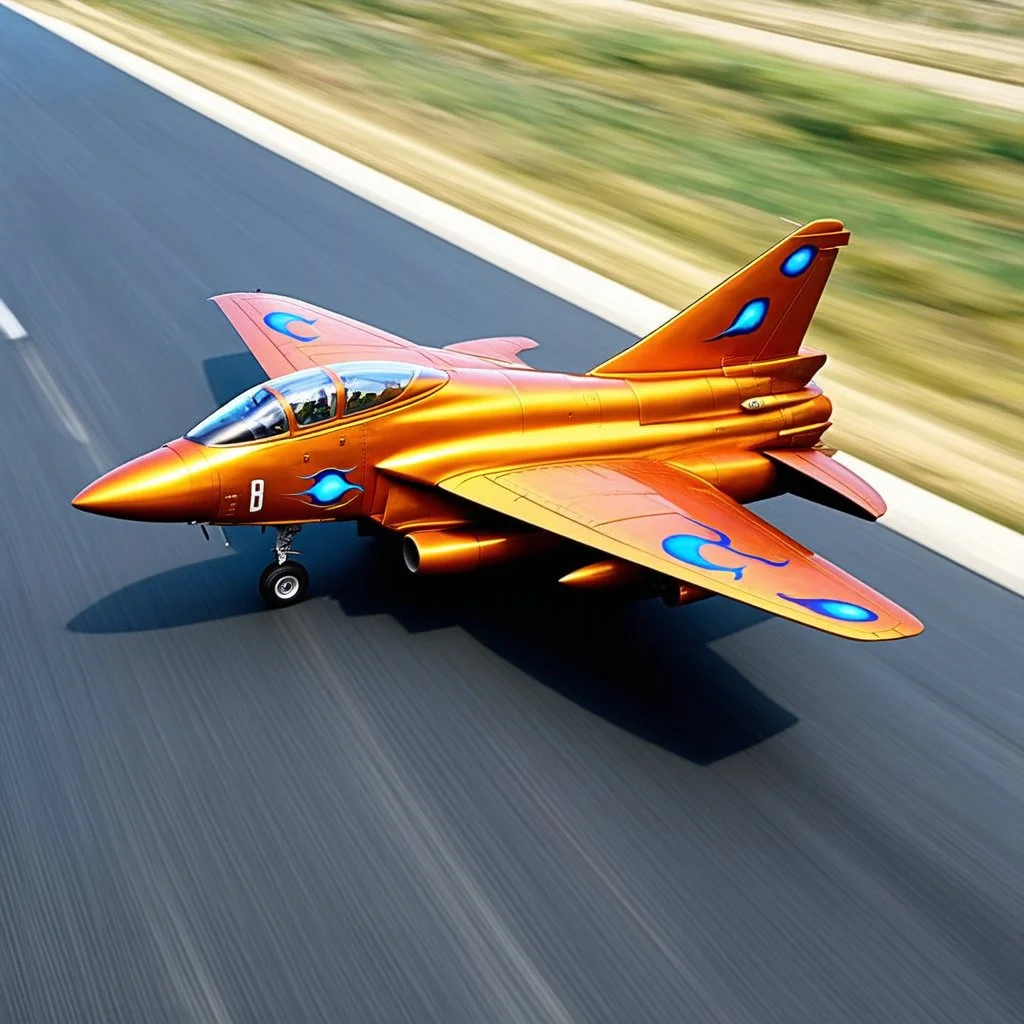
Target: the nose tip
(161, 486)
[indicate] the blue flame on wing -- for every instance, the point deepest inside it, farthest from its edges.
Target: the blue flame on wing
(281, 322)
(844, 611)
(687, 548)
(747, 320)
(329, 487)
(799, 260)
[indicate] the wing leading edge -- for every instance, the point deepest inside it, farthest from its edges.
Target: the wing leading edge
(678, 524)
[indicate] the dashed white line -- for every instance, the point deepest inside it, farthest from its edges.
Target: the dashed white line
(51, 390)
(12, 328)
(10, 324)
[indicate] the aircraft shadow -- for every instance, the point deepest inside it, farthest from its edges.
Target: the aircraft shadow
(647, 668)
(644, 667)
(230, 375)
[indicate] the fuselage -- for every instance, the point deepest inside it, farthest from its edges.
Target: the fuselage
(382, 463)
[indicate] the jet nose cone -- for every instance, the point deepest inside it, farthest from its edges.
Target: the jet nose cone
(163, 486)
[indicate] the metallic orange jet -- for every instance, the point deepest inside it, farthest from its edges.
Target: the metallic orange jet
(640, 466)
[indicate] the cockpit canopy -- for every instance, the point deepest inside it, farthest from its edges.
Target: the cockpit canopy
(311, 396)
(253, 416)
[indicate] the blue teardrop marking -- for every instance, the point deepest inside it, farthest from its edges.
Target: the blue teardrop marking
(328, 489)
(748, 319)
(799, 260)
(686, 547)
(281, 322)
(844, 611)
(328, 486)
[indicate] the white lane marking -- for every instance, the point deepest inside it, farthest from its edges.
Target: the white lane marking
(53, 394)
(61, 406)
(913, 512)
(12, 328)
(987, 548)
(10, 324)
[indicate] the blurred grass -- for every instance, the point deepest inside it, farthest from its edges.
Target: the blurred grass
(696, 149)
(970, 15)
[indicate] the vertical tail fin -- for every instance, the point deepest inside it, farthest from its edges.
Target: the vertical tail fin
(761, 312)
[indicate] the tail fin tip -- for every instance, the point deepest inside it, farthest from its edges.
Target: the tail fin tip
(760, 312)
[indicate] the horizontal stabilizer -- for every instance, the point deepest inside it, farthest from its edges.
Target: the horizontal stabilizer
(810, 473)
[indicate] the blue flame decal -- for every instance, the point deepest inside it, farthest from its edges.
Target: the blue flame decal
(833, 609)
(281, 322)
(748, 319)
(799, 260)
(687, 548)
(330, 488)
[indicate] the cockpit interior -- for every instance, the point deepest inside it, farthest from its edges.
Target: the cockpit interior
(309, 398)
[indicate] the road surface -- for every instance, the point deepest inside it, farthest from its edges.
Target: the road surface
(453, 803)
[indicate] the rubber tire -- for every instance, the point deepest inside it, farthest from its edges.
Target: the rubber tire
(274, 584)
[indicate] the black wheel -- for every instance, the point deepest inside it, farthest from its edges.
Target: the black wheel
(282, 585)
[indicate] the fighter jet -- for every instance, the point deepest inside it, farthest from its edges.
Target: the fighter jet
(640, 469)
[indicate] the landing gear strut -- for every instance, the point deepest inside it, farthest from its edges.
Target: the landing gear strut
(284, 581)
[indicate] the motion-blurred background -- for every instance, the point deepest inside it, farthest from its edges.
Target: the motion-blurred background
(476, 802)
(661, 144)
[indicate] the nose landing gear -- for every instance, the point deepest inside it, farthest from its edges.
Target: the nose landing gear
(284, 581)
(283, 584)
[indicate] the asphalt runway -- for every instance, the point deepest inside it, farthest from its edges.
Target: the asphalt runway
(469, 802)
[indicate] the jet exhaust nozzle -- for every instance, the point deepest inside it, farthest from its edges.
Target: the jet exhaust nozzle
(607, 574)
(677, 594)
(426, 552)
